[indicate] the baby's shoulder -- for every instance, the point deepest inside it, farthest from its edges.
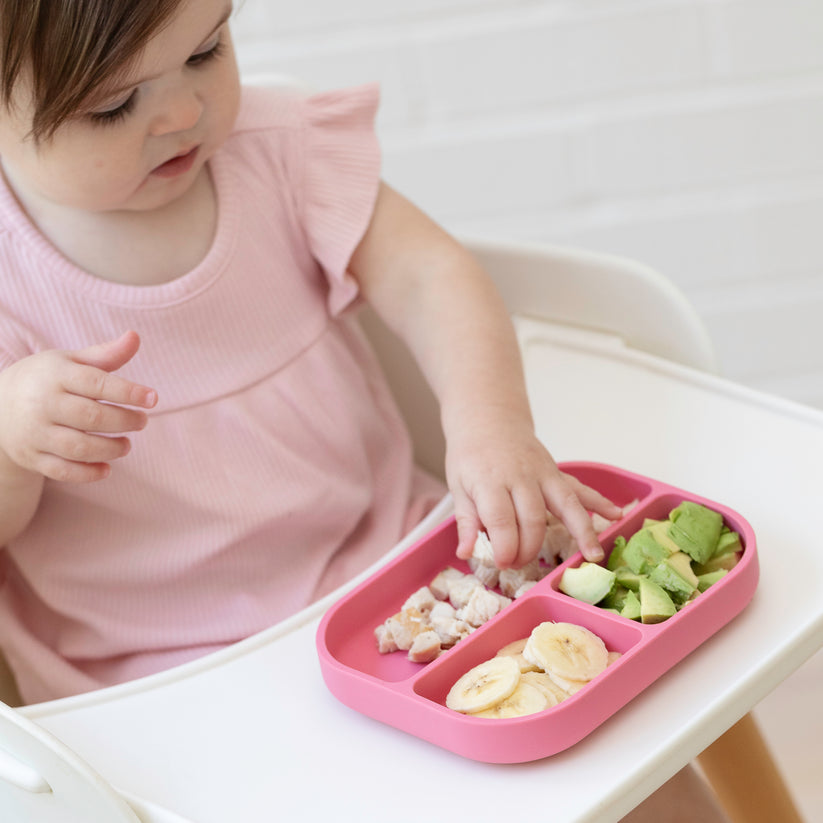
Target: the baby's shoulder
(265, 107)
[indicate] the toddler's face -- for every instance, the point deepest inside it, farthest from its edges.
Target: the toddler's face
(179, 101)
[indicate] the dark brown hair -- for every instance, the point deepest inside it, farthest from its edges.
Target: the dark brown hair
(68, 48)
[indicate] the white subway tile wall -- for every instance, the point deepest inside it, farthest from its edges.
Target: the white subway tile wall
(684, 133)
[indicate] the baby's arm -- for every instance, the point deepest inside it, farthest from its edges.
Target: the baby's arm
(63, 415)
(433, 293)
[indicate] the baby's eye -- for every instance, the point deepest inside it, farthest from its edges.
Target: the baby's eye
(209, 53)
(116, 112)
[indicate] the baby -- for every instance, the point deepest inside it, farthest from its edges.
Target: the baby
(195, 439)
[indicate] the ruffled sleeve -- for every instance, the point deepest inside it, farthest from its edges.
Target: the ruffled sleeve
(341, 176)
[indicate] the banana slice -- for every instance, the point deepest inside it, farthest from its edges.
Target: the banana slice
(570, 687)
(540, 680)
(568, 651)
(515, 650)
(525, 699)
(484, 686)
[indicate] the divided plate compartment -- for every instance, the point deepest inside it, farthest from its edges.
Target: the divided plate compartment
(411, 696)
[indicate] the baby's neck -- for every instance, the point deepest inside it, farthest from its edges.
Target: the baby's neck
(134, 247)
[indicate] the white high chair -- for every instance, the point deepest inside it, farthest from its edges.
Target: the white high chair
(567, 293)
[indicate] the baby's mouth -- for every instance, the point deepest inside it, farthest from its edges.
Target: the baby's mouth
(179, 164)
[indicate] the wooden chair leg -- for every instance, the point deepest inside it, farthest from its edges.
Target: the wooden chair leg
(740, 770)
(685, 798)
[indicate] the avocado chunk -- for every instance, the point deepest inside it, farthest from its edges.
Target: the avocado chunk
(625, 577)
(718, 562)
(725, 556)
(615, 559)
(615, 598)
(655, 605)
(728, 541)
(675, 575)
(695, 529)
(588, 582)
(660, 532)
(704, 581)
(631, 606)
(643, 552)
(682, 564)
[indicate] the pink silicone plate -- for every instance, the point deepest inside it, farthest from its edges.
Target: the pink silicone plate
(411, 696)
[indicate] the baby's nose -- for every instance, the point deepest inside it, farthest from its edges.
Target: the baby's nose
(181, 111)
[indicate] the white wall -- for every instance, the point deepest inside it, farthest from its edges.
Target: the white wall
(684, 133)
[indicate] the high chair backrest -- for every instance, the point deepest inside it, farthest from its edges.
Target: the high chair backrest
(569, 287)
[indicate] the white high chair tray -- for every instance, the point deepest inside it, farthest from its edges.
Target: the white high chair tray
(253, 733)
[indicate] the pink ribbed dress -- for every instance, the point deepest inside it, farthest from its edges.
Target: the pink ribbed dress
(275, 465)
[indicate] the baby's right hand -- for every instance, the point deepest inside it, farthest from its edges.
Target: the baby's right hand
(63, 414)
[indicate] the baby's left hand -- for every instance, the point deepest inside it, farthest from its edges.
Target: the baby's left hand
(503, 480)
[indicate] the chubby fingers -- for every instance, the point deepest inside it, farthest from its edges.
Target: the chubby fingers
(87, 415)
(93, 407)
(592, 499)
(514, 521)
(73, 456)
(99, 385)
(468, 524)
(568, 498)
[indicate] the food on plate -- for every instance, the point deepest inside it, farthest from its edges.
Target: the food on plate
(696, 529)
(442, 582)
(661, 568)
(588, 582)
(425, 647)
(533, 673)
(525, 699)
(454, 604)
(482, 563)
(559, 545)
(655, 603)
(515, 650)
(566, 652)
(484, 686)
(551, 691)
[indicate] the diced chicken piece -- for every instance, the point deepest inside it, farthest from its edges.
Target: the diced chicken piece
(450, 630)
(453, 631)
(385, 639)
(512, 579)
(482, 561)
(525, 586)
(487, 574)
(442, 583)
(504, 600)
(423, 600)
(482, 606)
(425, 648)
(600, 523)
(461, 590)
(442, 610)
(483, 551)
(405, 626)
(558, 544)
